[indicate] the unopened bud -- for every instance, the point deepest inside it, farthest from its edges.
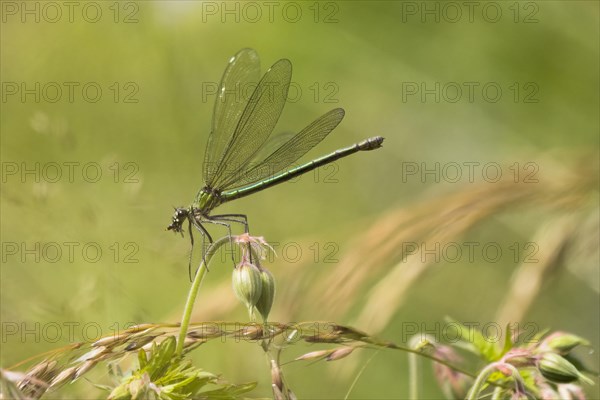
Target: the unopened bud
(267, 294)
(247, 284)
(557, 369)
(520, 358)
(562, 342)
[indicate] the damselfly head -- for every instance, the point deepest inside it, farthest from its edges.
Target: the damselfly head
(179, 217)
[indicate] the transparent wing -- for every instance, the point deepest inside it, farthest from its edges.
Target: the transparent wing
(292, 150)
(237, 84)
(255, 125)
(275, 141)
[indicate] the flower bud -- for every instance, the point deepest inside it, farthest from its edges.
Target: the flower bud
(557, 369)
(520, 358)
(267, 294)
(247, 284)
(562, 342)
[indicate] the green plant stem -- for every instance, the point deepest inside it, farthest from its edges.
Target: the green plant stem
(413, 376)
(482, 378)
(390, 345)
(497, 393)
(191, 299)
(417, 342)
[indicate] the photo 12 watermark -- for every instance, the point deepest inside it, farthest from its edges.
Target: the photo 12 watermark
(316, 92)
(98, 334)
(54, 12)
(469, 172)
(70, 92)
(252, 12)
(454, 12)
(55, 332)
(470, 92)
(288, 252)
(471, 252)
(70, 172)
(453, 332)
(69, 252)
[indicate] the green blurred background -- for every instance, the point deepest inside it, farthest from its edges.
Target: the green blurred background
(157, 64)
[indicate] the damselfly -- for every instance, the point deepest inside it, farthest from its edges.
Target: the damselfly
(241, 157)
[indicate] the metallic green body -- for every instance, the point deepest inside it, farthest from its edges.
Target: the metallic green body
(207, 198)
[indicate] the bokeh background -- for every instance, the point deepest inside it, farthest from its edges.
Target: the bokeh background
(342, 232)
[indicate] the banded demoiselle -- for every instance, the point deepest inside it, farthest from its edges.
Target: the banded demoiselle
(241, 157)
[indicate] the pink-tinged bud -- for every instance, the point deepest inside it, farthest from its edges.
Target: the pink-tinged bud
(505, 369)
(247, 284)
(520, 358)
(562, 342)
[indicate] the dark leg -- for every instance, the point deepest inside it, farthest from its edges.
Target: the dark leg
(224, 222)
(237, 218)
(243, 219)
(205, 234)
(191, 250)
(202, 229)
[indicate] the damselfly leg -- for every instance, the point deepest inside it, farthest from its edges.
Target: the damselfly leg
(224, 220)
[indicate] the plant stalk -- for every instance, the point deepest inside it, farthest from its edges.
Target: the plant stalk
(191, 299)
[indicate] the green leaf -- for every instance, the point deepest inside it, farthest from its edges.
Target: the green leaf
(508, 343)
(230, 392)
(142, 359)
(121, 392)
(166, 376)
(161, 358)
(476, 342)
